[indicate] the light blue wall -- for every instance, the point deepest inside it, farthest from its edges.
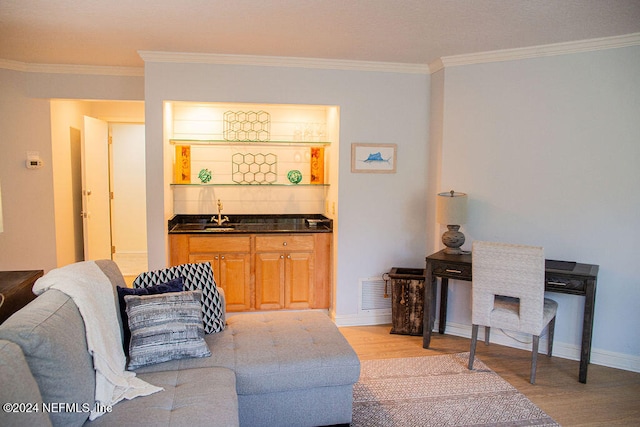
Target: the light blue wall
(29, 237)
(381, 216)
(548, 151)
(28, 240)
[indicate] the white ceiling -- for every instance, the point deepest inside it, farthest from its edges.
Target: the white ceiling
(102, 32)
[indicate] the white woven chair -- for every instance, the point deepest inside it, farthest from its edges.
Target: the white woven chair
(508, 293)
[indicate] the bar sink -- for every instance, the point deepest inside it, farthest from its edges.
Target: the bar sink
(218, 229)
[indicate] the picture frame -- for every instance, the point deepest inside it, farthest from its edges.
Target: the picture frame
(373, 158)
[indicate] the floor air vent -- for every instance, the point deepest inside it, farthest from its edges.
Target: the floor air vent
(372, 295)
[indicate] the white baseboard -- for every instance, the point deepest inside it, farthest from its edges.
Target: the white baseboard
(601, 357)
(363, 319)
(515, 340)
(611, 359)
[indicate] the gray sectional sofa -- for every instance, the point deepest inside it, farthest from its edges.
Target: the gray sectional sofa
(265, 369)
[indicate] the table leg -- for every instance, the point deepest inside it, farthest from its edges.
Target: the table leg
(587, 329)
(444, 295)
(428, 318)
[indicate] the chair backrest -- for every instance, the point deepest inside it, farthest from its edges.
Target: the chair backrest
(502, 269)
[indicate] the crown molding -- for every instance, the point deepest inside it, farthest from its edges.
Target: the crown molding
(8, 64)
(537, 51)
(71, 69)
(282, 61)
(86, 69)
(332, 64)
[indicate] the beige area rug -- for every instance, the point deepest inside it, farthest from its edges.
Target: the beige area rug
(439, 391)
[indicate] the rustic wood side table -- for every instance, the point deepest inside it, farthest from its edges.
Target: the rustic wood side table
(15, 290)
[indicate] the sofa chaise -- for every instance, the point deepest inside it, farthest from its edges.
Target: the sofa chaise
(265, 369)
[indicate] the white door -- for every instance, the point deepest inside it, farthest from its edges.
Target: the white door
(128, 203)
(96, 223)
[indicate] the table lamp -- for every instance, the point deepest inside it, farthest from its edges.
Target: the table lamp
(451, 210)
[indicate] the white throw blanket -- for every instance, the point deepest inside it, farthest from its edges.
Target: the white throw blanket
(92, 292)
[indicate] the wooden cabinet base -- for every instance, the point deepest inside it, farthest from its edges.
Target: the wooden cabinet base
(263, 271)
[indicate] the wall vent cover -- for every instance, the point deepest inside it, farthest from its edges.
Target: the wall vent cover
(372, 295)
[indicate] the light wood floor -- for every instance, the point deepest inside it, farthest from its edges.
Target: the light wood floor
(610, 397)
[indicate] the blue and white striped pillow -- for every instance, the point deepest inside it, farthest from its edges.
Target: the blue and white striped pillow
(165, 327)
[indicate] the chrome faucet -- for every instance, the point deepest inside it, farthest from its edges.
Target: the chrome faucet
(220, 220)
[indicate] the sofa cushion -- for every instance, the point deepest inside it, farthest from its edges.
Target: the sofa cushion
(277, 352)
(175, 285)
(51, 334)
(191, 397)
(19, 387)
(165, 327)
(196, 276)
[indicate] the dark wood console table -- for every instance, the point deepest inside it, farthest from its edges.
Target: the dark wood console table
(560, 276)
(15, 290)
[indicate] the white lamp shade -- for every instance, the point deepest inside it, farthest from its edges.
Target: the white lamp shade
(451, 208)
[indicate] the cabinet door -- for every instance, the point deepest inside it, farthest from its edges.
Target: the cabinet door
(232, 273)
(298, 291)
(269, 281)
(235, 276)
(211, 258)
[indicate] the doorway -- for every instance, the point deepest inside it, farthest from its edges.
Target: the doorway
(114, 194)
(128, 197)
(69, 147)
(75, 145)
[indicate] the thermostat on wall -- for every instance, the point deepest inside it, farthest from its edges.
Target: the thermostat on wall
(33, 160)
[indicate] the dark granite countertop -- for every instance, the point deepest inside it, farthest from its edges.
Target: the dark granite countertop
(247, 224)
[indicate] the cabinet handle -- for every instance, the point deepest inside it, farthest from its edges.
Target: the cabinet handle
(450, 270)
(215, 257)
(284, 244)
(288, 256)
(281, 256)
(557, 283)
(222, 257)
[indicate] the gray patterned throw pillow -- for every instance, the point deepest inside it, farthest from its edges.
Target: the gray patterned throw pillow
(196, 276)
(165, 327)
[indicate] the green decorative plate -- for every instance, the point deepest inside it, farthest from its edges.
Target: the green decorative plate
(294, 176)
